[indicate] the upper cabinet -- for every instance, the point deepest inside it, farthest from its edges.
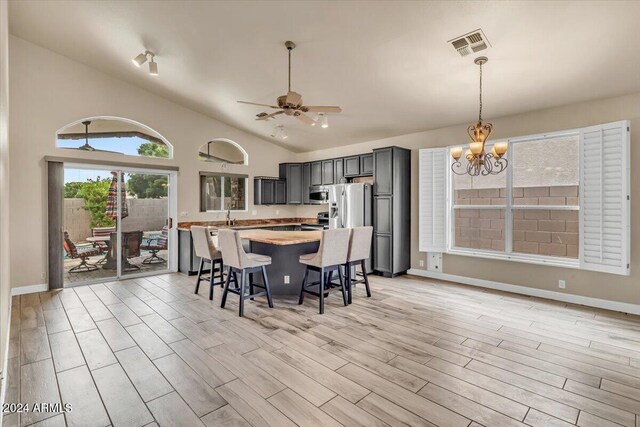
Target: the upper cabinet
(366, 164)
(300, 176)
(316, 173)
(291, 173)
(352, 166)
(327, 172)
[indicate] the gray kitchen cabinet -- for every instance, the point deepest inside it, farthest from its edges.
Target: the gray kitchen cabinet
(352, 166)
(306, 182)
(383, 220)
(382, 260)
(281, 192)
(327, 172)
(316, 173)
(264, 191)
(338, 170)
(392, 210)
(366, 164)
(383, 171)
(292, 174)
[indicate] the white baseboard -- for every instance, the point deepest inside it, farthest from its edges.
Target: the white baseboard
(30, 289)
(524, 290)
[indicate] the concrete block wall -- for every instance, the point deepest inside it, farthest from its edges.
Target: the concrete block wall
(541, 232)
(144, 215)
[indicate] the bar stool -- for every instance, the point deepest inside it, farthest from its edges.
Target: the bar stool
(205, 248)
(331, 255)
(238, 261)
(359, 251)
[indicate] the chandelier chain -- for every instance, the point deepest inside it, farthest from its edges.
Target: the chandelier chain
(290, 69)
(480, 113)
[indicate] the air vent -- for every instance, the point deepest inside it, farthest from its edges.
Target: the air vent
(474, 41)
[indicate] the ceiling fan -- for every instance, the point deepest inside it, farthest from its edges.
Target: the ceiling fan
(86, 146)
(291, 103)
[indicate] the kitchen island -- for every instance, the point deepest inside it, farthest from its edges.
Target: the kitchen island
(284, 247)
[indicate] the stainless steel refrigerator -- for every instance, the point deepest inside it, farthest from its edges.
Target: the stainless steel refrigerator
(350, 205)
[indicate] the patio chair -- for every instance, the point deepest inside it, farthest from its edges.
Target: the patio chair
(131, 245)
(156, 244)
(104, 232)
(83, 254)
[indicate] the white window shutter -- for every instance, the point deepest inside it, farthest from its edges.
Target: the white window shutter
(433, 175)
(604, 198)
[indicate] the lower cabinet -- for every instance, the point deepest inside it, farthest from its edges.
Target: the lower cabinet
(383, 253)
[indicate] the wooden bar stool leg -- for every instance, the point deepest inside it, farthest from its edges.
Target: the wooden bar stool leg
(327, 284)
(321, 293)
(243, 280)
(366, 278)
(266, 286)
(221, 271)
(344, 290)
(199, 274)
(304, 283)
(226, 289)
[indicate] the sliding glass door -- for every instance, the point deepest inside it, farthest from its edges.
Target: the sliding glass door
(117, 223)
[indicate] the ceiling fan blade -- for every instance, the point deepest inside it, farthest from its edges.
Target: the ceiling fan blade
(255, 103)
(306, 119)
(268, 116)
(322, 109)
(294, 98)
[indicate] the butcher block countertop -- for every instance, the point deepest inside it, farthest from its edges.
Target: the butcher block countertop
(281, 238)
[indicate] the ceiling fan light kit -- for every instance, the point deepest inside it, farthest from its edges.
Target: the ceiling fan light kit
(478, 161)
(292, 105)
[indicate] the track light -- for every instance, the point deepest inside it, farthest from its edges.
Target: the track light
(279, 132)
(147, 55)
(153, 67)
(324, 120)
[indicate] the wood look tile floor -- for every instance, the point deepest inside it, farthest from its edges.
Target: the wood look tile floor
(149, 351)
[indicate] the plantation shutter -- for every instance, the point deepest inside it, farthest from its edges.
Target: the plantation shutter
(604, 198)
(433, 175)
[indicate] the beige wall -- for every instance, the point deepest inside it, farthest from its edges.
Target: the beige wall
(50, 91)
(591, 284)
(5, 284)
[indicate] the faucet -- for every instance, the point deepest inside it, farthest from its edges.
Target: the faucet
(229, 220)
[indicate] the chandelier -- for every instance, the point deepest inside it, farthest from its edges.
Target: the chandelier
(478, 161)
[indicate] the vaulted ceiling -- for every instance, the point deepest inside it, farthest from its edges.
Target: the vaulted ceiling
(387, 64)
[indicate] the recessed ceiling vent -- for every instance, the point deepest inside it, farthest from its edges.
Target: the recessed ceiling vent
(474, 41)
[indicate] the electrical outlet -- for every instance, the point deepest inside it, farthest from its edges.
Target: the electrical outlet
(254, 212)
(184, 214)
(562, 284)
(277, 212)
(421, 262)
(286, 280)
(43, 275)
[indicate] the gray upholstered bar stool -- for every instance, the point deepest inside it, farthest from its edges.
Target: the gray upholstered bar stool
(205, 248)
(359, 252)
(331, 254)
(245, 264)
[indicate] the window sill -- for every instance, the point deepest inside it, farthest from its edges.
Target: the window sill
(528, 259)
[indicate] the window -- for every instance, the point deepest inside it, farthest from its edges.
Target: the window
(563, 200)
(543, 206)
(114, 135)
(223, 151)
(222, 192)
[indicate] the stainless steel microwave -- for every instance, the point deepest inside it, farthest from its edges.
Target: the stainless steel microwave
(318, 194)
